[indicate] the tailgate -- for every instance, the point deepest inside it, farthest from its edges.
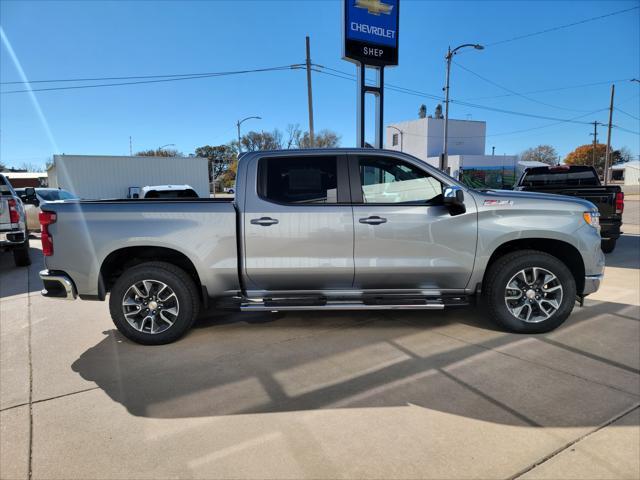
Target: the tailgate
(4, 212)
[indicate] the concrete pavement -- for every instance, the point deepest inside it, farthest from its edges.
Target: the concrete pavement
(317, 395)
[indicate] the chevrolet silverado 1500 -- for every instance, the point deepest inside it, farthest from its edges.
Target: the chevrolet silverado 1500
(327, 229)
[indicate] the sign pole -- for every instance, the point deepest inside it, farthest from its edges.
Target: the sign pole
(370, 39)
(360, 105)
(380, 109)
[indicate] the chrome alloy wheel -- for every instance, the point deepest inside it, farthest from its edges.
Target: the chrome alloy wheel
(533, 294)
(150, 306)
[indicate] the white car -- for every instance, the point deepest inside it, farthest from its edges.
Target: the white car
(168, 191)
(32, 198)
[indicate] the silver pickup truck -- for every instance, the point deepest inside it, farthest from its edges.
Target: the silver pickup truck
(14, 234)
(339, 229)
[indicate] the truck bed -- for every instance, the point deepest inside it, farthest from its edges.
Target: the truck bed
(203, 230)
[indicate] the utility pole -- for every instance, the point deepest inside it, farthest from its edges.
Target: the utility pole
(493, 151)
(309, 93)
(606, 156)
(595, 141)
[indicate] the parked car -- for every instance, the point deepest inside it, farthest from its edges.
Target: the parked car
(32, 198)
(330, 229)
(230, 190)
(14, 235)
(580, 181)
(168, 191)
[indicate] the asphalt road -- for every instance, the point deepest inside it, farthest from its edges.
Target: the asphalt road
(318, 395)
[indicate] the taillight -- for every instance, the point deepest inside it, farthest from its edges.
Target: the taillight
(14, 215)
(46, 219)
(619, 202)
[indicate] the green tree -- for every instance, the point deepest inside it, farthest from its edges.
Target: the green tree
(3, 167)
(542, 153)
(160, 152)
(220, 158)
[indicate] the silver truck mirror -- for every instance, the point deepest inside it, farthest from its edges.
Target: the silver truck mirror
(454, 198)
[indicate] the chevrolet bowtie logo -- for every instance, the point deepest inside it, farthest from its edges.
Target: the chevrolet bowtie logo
(374, 7)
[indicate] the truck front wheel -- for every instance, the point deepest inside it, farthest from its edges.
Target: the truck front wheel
(529, 291)
(154, 303)
(608, 245)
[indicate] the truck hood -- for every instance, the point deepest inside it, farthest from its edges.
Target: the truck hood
(531, 199)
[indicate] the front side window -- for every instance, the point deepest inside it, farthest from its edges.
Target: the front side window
(299, 180)
(386, 180)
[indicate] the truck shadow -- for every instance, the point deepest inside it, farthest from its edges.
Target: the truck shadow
(19, 280)
(450, 361)
(626, 253)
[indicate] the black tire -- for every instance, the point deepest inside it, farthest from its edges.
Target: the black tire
(502, 271)
(177, 280)
(609, 245)
(21, 255)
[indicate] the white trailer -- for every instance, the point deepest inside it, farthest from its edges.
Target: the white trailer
(97, 176)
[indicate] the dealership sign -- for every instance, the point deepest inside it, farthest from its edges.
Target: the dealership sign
(370, 31)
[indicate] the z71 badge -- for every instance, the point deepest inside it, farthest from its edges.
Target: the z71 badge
(498, 203)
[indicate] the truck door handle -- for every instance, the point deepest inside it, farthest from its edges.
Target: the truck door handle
(264, 221)
(373, 220)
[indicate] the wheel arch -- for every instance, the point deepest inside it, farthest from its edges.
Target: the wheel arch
(563, 251)
(124, 258)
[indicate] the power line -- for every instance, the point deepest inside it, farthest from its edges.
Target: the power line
(138, 77)
(627, 114)
(468, 104)
(571, 87)
(513, 92)
(171, 79)
(560, 27)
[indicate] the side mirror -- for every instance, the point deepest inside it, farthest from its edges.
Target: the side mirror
(454, 199)
(29, 192)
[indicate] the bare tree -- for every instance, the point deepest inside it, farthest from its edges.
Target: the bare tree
(253, 141)
(159, 152)
(31, 167)
(542, 153)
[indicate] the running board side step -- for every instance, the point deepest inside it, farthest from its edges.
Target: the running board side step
(321, 303)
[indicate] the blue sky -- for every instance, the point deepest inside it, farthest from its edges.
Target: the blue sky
(60, 40)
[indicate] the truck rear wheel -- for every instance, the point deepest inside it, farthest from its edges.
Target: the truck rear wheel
(154, 303)
(608, 245)
(529, 291)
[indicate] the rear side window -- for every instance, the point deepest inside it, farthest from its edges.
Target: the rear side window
(301, 180)
(549, 178)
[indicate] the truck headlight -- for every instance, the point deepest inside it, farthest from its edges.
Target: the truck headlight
(592, 218)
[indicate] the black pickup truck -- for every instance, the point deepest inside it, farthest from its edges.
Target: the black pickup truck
(580, 181)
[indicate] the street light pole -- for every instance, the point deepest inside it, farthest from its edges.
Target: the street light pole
(449, 57)
(167, 145)
(238, 123)
(401, 136)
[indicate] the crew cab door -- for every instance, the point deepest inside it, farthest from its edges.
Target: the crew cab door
(298, 223)
(405, 237)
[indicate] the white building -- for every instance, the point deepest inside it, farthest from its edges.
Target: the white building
(627, 174)
(424, 137)
(95, 177)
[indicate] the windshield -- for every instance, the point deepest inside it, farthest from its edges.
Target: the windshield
(188, 193)
(52, 195)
